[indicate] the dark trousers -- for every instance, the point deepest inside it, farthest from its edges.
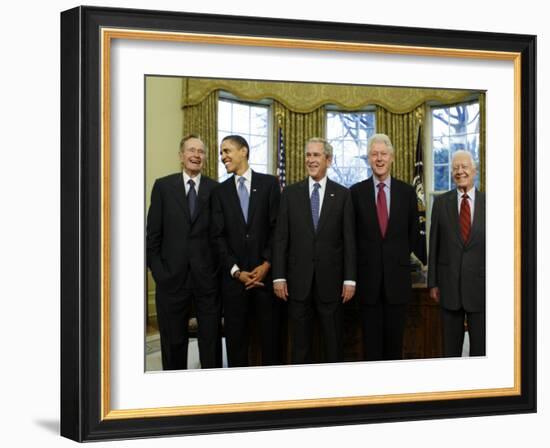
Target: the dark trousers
(173, 312)
(383, 328)
(241, 310)
(453, 332)
(301, 315)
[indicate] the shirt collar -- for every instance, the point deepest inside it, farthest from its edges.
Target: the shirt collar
(387, 182)
(247, 175)
(471, 193)
(322, 182)
(196, 179)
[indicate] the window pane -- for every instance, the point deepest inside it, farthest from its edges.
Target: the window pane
(441, 177)
(259, 168)
(472, 124)
(350, 150)
(368, 121)
(440, 122)
(258, 154)
(457, 119)
(441, 150)
(258, 121)
(224, 115)
(473, 145)
(337, 150)
(241, 118)
(334, 125)
(348, 133)
(458, 142)
(252, 123)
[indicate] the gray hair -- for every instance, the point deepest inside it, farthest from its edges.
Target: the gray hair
(379, 138)
(327, 147)
(463, 152)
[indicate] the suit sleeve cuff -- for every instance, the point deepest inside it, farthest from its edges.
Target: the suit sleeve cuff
(349, 282)
(278, 280)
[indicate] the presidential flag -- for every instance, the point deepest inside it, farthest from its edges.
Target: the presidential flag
(281, 165)
(418, 184)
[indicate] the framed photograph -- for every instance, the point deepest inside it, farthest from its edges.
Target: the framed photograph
(109, 60)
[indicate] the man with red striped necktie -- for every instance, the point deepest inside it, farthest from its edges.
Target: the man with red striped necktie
(456, 267)
(386, 223)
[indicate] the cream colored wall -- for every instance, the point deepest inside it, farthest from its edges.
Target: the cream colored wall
(163, 132)
(163, 129)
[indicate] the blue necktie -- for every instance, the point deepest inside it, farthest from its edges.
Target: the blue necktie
(192, 197)
(315, 204)
(243, 197)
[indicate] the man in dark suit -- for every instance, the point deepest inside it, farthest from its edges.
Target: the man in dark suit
(245, 209)
(387, 232)
(314, 255)
(181, 258)
(456, 267)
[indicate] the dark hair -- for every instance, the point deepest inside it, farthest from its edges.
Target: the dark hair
(240, 141)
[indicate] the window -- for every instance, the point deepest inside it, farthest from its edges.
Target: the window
(251, 121)
(453, 128)
(348, 133)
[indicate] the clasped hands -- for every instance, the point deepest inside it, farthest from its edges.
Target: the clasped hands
(254, 278)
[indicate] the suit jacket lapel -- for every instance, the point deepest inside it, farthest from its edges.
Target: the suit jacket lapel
(253, 197)
(306, 204)
(202, 198)
(234, 198)
(181, 196)
(479, 205)
(328, 201)
(452, 211)
(395, 203)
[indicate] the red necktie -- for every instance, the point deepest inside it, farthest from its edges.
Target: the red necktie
(382, 209)
(465, 218)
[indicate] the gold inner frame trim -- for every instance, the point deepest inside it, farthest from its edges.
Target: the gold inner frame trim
(107, 35)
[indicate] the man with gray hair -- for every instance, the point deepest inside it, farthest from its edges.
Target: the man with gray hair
(314, 255)
(182, 260)
(386, 222)
(456, 266)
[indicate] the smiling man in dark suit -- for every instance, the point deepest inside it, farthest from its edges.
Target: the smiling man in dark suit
(314, 255)
(245, 209)
(387, 232)
(456, 267)
(181, 258)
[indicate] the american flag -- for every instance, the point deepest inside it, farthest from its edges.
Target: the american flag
(418, 184)
(281, 166)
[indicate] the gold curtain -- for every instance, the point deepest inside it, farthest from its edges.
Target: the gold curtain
(308, 97)
(298, 128)
(300, 107)
(482, 140)
(202, 119)
(402, 129)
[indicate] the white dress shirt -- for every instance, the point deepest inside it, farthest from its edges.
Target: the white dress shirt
(196, 179)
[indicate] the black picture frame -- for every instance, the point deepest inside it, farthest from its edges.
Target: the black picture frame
(83, 407)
